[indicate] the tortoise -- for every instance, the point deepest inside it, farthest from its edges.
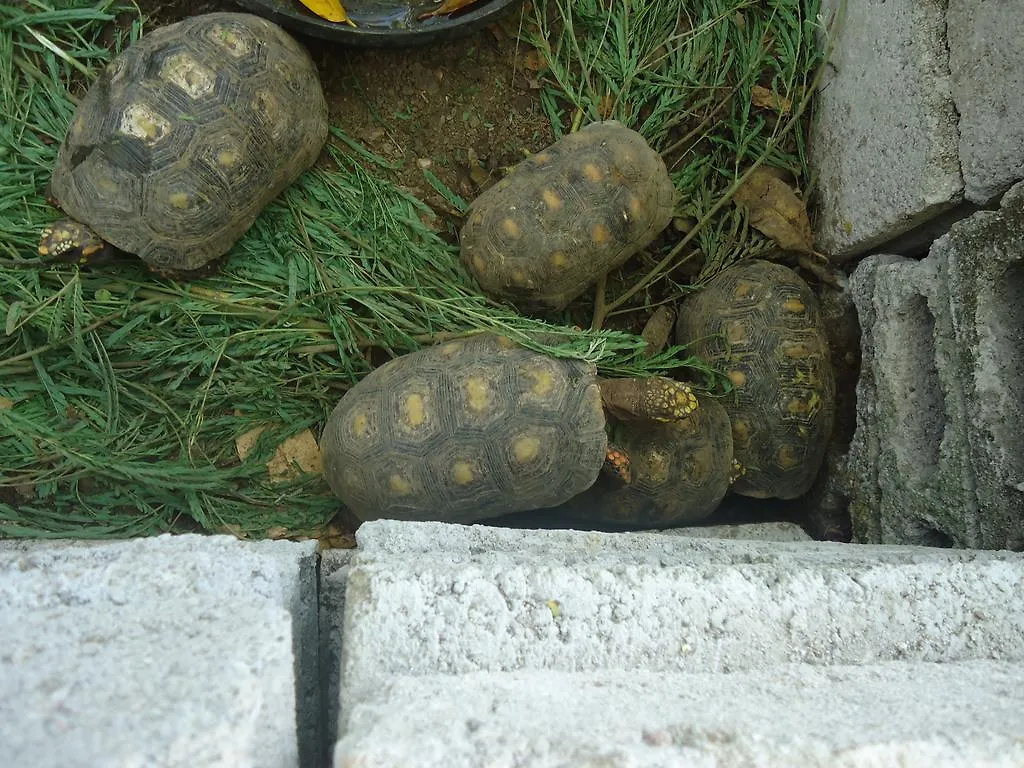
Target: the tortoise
(566, 216)
(182, 141)
(760, 323)
(482, 427)
(678, 471)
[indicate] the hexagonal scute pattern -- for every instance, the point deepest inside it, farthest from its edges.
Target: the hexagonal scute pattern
(760, 324)
(464, 431)
(679, 472)
(566, 216)
(188, 134)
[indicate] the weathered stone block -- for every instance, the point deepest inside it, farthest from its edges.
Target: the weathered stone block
(938, 453)
(799, 716)
(885, 139)
(986, 62)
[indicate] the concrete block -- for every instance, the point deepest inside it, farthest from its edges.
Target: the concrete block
(758, 531)
(965, 714)
(424, 599)
(885, 140)
(936, 455)
(986, 61)
(177, 651)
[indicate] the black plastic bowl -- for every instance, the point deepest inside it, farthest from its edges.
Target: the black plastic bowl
(382, 23)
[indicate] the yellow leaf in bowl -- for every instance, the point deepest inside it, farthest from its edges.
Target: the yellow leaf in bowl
(332, 10)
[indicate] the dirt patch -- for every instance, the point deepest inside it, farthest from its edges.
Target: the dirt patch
(462, 109)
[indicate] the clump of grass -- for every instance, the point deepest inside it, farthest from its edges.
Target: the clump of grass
(121, 394)
(683, 75)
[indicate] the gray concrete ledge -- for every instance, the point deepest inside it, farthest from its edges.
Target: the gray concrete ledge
(793, 715)
(423, 599)
(172, 651)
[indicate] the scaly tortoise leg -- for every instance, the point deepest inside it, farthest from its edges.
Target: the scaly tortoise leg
(617, 464)
(658, 399)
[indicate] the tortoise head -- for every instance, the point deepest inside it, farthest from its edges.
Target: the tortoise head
(654, 398)
(72, 242)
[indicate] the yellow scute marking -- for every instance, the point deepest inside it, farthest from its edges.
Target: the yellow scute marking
(552, 200)
(178, 200)
(462, 472)
(794, 306)
(360, 425)
(543, 382)
(415, 410)
(227, 157)
(510, 228)
(478, 263)
(658, 466)
(743, 290)
(738, 378)
(526, 448)
(600, 234)
(559, 260)
(786, 457)
(592, 172)
(399, 485)
(797, 350)
(736, 332)
(476, 393)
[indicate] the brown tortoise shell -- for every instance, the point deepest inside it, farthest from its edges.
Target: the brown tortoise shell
(463, 431)
(566, 216)
(188, 134)
(759, 323)
(676, 472)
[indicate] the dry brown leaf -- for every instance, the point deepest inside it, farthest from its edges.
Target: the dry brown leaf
(658, 330)
(534, 61)
(768, 99)
(776, 211)
(446, 7)
(300, 450)
(245, 443)
(6, 404)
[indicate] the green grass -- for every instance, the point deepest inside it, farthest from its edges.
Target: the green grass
(121, 394)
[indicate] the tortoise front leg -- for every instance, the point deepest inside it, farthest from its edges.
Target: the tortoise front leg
(617, 464)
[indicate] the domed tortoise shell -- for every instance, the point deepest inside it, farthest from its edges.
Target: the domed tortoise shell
(468, 430)
(187, 135)
(760, 323)
(567, 215)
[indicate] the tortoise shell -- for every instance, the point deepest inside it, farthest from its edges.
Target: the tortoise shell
(463, 431)
(188, 134)
(566, 216)
(760, 323)
(678, 471)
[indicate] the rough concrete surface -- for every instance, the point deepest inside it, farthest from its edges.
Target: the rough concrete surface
(911, 714)
(885, 140)
(147, 683)
(986, 57)
(498, 600)
(937, 453)
(758, 531)
(186, 650)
